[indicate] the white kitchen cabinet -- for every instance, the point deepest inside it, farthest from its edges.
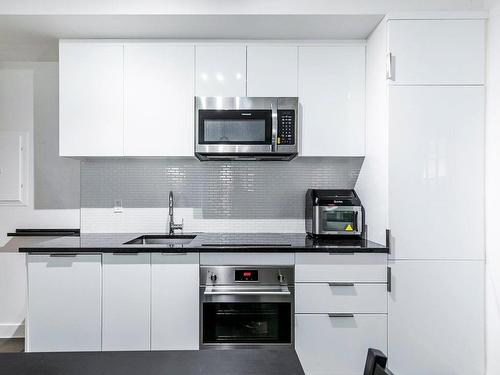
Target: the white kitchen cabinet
(272, 70)
(126, 296)
(434, 52)
(340, 298)
(436, 172)
(175, 301)
(436, 318)
(90, 99)
(13, 168)
(159, 99)
(221, 70)
(337, 267)
(338, 345)
(332, 94)
(64, 303)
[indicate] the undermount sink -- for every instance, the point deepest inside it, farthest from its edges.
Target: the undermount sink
(162, 239)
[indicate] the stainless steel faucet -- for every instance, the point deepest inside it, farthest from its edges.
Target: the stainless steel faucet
(171, 224)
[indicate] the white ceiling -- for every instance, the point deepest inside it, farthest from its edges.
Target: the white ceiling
(34, 38)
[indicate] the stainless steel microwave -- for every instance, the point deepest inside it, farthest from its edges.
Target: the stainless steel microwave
(246, 128)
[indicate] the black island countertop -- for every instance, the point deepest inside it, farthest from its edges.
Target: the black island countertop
(204, 242)
(187, 362)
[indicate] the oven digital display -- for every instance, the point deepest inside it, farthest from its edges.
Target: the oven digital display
(246, 275)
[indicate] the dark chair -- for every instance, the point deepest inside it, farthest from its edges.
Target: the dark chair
(373, 358)
(382, 371)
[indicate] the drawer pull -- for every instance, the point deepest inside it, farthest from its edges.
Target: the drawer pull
(125, 253)
(340, 315)
(340, 284)
(174, 253)
(63, 255)
(341, 253)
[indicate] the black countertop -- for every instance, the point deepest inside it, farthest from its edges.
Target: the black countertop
(205, 242)
(192, 362)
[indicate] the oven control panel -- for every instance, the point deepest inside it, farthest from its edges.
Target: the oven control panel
(286, 127)
(246, 275)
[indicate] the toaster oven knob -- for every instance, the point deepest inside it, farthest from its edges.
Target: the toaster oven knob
(213, 277)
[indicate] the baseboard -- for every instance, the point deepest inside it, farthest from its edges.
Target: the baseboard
(8, 331)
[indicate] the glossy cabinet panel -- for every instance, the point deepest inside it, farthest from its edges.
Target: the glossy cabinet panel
(436, 318)
(175, 301)
(340, 298)
(126, 300)
(90, 99)
(64, 303)
(272, 70)
(159, 99)
(338, 345)
(221, 70)
(434, 52)
(332, 94)
(436, 172)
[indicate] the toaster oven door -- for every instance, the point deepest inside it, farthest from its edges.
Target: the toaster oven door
(338, 220)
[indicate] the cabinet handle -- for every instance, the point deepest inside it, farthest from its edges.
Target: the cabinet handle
(389, 279)
(341, 284)
(340, 315)
(63, 255)
(173, 253)
(125, 253)
(341, 253)
(388, 67)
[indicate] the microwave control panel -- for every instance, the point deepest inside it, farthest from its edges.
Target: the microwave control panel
(286, 127)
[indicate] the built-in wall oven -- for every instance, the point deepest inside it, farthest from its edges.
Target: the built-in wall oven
(246, 128)
(246, 306)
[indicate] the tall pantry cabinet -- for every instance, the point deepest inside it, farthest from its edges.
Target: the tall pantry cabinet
(424, 180)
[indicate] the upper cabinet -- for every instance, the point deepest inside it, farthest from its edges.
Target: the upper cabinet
(159, 97)
(90, 99)
(272, 70)
(332, 93)
(221, 70)
(436, 52)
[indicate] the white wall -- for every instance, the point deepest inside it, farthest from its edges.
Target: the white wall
(492, 192)
(19, 97)
(230, 6)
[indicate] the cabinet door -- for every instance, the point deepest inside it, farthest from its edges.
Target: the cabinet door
(64, 303)
(338, 345)
(159, 99)
(332, 94)
(126, 299)
(90, 99)
(175, 301)
(221, 70)
(271, 70)
(437, 51)
(436, 172)
(436, 318)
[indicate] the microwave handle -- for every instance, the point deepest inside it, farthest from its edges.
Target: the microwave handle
(274, 124)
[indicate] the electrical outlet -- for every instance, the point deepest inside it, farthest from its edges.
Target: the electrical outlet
(118, 206)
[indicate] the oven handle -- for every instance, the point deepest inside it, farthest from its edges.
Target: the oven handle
(209, 291)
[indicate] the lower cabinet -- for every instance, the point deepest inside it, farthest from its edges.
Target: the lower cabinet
(126, 295)
(64, 303)
(175, 301)
(329, 345)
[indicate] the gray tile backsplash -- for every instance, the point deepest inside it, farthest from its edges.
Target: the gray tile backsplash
(220, 190)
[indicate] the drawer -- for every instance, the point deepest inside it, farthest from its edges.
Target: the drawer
(335, 267)
(175, 258)
(330, 346)
(247, 259)
(340, 298)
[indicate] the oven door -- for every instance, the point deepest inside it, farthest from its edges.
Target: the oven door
(338, 220)
(235, 317)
